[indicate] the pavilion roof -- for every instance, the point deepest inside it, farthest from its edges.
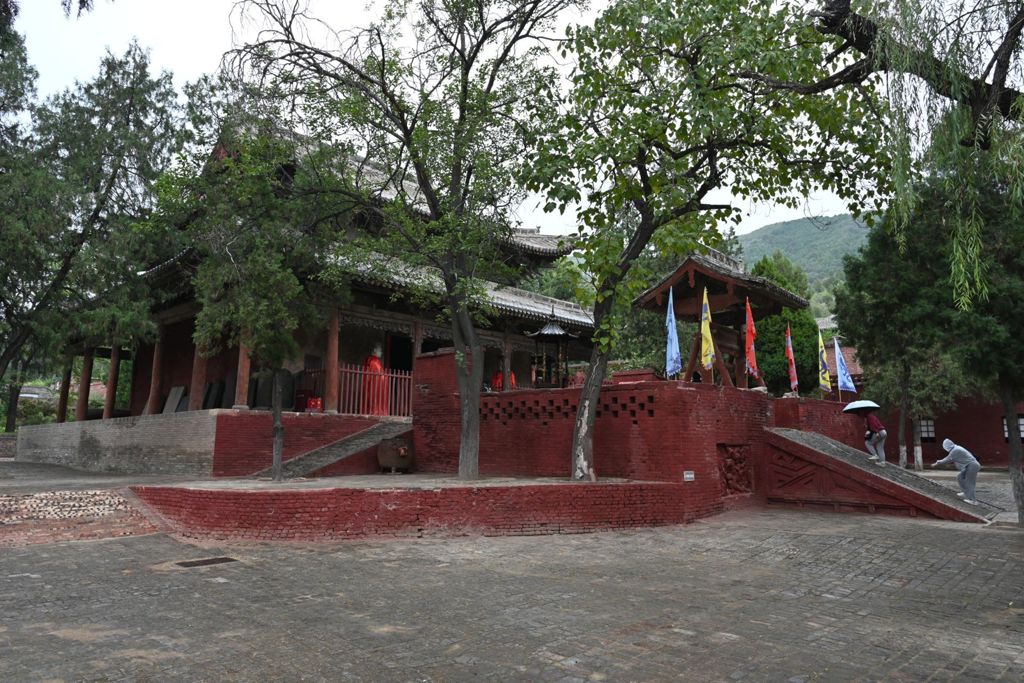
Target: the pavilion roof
(728, 289)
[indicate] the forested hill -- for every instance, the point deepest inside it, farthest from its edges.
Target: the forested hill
(815, 244)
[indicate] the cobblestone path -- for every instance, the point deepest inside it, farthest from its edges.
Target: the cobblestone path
(51, 516)
(750, 596)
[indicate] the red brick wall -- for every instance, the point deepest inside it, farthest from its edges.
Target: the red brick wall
(342, 513)
(243, 440)
(823, 417)
(975, 424)
(363, 462)
(653, 431)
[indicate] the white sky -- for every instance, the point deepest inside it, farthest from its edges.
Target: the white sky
(188, 37)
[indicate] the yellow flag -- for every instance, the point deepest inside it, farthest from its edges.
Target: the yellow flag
(707, 346)
(824, 378)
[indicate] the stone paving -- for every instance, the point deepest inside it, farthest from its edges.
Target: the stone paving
(773, 595)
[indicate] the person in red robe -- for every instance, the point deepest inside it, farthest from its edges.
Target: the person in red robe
(498, 380)
(376, 392)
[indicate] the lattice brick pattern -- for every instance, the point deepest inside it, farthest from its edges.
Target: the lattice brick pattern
(545, 410)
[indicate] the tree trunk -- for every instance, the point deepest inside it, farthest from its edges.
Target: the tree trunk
(278, 430)
(904, 414)
(13, 391)
(1009, 400)
(586, 415)
(918, 455)
(469, 371)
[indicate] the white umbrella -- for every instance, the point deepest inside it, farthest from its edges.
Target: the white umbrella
(858, 406)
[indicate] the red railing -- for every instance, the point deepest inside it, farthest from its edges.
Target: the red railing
(361, 391)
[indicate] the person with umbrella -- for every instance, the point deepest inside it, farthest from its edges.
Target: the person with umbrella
(874, 437)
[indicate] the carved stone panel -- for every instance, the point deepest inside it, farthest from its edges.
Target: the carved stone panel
(735, 469)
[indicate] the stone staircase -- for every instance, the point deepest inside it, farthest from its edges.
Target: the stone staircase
(308, 463)
(838, 472)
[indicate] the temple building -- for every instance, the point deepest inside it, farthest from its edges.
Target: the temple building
(329, 375)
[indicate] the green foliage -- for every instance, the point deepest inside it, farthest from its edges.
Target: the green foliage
(903, 320)
(648, 132)
(780, 270)
(77, 182)
(771, 331)
(253, 216)
(961, 112)
(817, 245)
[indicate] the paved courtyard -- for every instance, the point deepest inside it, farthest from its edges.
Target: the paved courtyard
(747, 596)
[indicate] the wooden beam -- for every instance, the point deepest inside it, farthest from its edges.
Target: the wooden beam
(720, 364)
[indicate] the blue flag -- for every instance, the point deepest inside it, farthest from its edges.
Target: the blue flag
(845, 381)
(673, 361)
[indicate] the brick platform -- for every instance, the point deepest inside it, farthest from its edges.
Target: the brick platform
(347, 513)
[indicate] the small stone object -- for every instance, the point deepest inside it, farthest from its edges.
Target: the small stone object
(395, 455)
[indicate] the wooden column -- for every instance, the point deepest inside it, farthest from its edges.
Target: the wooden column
(65, 389)
(82, 404)
(110, 400)
(741, 358)
(331, 385)
(153, 406)
(692, 364)
(242, 382)
(506, 366)
(720, 364)
(417, 341)
(197, 385)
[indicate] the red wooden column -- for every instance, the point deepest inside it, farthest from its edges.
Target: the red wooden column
(331, 386)
(65, 389)
(82, 404)
(153, 406)
(115, 370)
(197, 385)
(506, 366)
(417, 341)
(242, 383)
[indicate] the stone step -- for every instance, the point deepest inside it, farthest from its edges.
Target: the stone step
(894, 477)
(308, 463)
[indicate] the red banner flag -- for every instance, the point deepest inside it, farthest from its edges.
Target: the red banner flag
(751, 337)
(794, 384)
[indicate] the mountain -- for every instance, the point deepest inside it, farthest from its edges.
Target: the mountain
(815, 244)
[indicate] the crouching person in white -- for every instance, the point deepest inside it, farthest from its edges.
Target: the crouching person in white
(968, 466)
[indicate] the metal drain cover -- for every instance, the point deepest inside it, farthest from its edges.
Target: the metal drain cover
(205, 562)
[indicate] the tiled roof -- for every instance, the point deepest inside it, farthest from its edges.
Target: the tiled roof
(531, 240)
(394, 273)
(727, 267)
(849, 354)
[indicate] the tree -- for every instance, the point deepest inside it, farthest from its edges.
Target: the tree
(430, 104)
(897, 310)
(75, 186)
(952, 73)
(771, 351)
(9, 10)
(658, 116)
(240, 201)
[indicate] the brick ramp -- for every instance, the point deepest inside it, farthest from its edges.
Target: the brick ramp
(811, 470)
(319, 458)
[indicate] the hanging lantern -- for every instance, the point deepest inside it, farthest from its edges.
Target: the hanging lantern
(551, 360)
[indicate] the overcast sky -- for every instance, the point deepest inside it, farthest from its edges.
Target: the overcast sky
(188, 37)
